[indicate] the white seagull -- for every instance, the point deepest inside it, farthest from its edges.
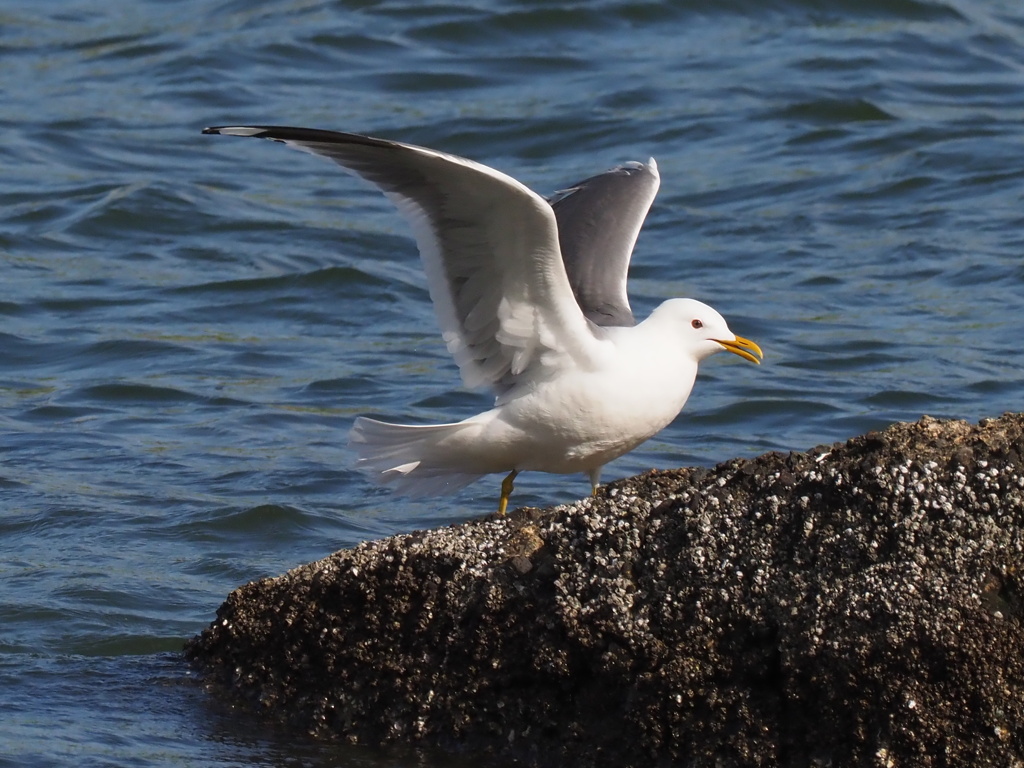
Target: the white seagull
(530, 295)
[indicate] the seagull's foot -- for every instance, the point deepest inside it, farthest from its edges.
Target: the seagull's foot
(595, 480)
(506, 491)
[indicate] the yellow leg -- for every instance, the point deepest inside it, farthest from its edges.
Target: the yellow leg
(595, 480)
(506, 491)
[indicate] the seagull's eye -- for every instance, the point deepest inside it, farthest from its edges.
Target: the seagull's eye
(697, 323)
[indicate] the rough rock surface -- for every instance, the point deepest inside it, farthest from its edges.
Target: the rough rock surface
(860, 604)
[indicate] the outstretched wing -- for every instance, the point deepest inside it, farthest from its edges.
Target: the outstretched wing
(489, 247)
(598, 222)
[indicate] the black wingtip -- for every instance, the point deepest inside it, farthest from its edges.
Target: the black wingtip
(287, 134)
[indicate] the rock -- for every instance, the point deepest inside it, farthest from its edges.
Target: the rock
(856, 605)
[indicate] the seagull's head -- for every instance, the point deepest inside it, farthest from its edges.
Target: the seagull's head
(706, 331)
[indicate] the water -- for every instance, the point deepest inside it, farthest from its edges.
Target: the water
(188, 324)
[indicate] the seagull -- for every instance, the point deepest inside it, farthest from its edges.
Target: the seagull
(530, 296)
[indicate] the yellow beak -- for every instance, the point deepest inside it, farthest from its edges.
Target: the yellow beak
(745, 348)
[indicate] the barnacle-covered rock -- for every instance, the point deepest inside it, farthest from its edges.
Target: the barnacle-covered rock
(859, 604)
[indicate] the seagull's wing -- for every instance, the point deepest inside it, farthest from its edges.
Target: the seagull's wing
(598, 222)
(489, 247)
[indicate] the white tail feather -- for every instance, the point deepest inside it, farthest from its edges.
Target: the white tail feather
(400, 455)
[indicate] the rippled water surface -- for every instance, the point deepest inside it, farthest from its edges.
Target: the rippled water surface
(189, 324)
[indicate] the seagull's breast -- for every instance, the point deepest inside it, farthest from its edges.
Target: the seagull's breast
(585, 418)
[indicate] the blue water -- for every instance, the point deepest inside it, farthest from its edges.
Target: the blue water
(189, 324)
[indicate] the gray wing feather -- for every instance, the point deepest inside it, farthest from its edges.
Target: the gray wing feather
(598, 222)
(489, 248)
